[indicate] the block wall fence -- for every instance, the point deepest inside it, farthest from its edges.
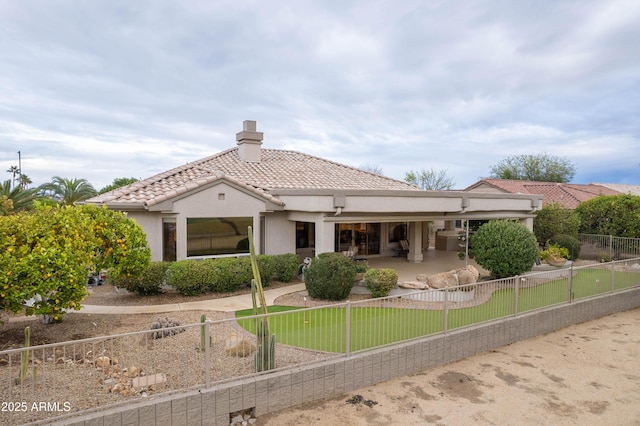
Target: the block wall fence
(283, 389)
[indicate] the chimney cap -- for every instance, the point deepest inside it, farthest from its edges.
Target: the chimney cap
(249, 142)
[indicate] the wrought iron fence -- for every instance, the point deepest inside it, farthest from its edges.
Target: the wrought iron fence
(43, 382)
(605, 248)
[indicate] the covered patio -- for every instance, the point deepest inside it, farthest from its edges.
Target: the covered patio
(434, 261)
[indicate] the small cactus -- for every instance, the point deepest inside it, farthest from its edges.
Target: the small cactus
(24, 358)
(203, 334)
(266, 346)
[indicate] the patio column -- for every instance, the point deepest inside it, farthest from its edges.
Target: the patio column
(528, 222)
(415, 242)
(325, 236)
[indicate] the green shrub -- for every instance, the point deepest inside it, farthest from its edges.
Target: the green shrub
(149, 282)
(188, 277)
(267, 268)
(380, 281)
(570, 243)
(553, 219)
(553, 251)
(228, 274)
(362, 266)
(616, 215)
(286, 266)
(504, 248)
(330, 277)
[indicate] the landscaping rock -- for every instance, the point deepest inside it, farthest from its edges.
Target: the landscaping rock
(414, 285)
(443, 280)
(164, 323)
(454, 278)
(236, 345)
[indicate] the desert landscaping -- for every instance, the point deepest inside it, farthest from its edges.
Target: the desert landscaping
(586, 374)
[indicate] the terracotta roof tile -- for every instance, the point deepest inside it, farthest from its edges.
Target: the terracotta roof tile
(278, 169)
(568, 195)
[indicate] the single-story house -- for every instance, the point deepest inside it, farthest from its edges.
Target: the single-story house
(568, 195)
(296, 203)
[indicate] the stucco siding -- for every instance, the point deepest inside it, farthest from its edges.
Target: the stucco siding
(280, 234)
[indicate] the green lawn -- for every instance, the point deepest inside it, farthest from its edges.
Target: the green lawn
(324, 329)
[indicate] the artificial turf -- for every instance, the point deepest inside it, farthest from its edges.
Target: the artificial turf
(324, 329)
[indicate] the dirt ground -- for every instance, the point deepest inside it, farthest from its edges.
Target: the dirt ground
(587, 374)
(582, 375)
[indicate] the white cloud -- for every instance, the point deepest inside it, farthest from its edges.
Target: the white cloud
(406, 85)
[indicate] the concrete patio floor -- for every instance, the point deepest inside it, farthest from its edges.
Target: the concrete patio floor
(434, 261)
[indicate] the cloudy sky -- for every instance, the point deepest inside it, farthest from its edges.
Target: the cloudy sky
(108, 89)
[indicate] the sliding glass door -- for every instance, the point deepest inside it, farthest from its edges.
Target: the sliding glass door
(364, 236)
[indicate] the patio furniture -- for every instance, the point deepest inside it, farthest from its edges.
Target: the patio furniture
(403, 250)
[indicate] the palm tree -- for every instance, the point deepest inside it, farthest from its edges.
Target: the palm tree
(21, 199)
(25, 181)
(14, 170)
(68, 191)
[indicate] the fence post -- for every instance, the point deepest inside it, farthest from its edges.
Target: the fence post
(207, 354)
(347, 334)
(571, 282)
(613, 277)
(611, 247)
(516, 297)
(445, 310)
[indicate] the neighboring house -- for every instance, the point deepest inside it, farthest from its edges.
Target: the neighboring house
(622, 188)
(568, 195)
(296, 203)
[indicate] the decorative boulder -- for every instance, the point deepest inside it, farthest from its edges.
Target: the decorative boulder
(443, 280)
(468, 275)
(236, 345)
(474, 271)
(414, 285)
(454, 278)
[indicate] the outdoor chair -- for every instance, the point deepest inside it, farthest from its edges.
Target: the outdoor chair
(403, 250)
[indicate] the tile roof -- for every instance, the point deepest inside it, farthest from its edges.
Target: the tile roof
(568, 195)
(623, 188)
(278, 169)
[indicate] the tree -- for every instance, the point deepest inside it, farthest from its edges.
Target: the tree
(16, 199)
(68, 191)
(118, 183)
(504, 248)
(617, 215)
(45, 255)
(372, 168)
(25, 181)
(430, 180)
(540, 167)
(553, 219)
(14, 170)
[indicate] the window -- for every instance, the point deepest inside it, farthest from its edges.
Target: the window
(217, 235)
(305, 234)
(168, 241)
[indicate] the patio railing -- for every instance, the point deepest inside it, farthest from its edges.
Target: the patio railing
(44, 382)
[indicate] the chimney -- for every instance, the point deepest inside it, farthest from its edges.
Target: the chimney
(249, 142)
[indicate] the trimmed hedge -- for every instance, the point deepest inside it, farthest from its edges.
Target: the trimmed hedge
(380, 281)
(330, 277)
(227, 274)
(504, 248)
(150, 282)
(286, 266)
(188, 277)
